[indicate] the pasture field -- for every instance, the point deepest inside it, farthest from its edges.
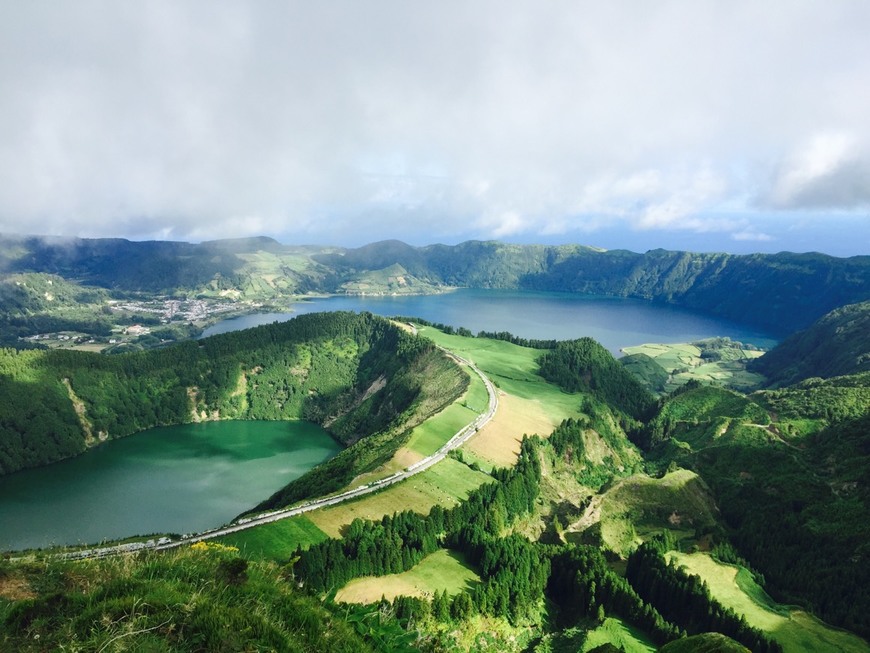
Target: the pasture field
(441, 571)
(796, 630)
(498, 443)
(276, 540)
(513, 369)
(620, 634)
(431, 435)
(446, 484)
(684, 362)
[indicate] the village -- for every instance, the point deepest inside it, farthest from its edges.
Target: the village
(160, 318)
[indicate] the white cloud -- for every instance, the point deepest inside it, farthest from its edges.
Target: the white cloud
(339, 121)
(750, 234)
(830, 170)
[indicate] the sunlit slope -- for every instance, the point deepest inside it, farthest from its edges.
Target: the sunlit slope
(358, 375)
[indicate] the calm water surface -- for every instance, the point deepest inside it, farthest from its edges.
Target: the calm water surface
(194, 477)
(179, 479)
(614, 322)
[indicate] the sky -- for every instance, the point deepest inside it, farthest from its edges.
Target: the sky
(732, 125)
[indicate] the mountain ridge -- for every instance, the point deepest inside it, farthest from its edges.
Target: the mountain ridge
(781, 292)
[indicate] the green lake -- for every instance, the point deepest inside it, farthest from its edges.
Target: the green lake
(179, 479)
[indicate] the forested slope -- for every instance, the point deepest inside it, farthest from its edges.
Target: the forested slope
(781, 292)
(837, 344)
(358, 375)
(789, 469)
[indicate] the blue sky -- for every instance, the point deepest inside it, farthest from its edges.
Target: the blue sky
(706, 125)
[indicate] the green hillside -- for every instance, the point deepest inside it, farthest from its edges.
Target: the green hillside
(202, 598)
(584, 365)
(706, 643)
(366, 380)
(780, 292)
(789, 470)
(835, 345)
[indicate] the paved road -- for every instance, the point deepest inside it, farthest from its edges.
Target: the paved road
(458, 439)
(249, 522)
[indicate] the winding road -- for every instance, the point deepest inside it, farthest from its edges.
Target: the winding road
(458, 439)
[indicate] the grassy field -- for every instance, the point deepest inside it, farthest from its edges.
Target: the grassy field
(683, 362)
(638, 507)
(512, 368)
(618, 633)
(277, 540)
(442, 571)
(431, 435)
(796, 630)
(446, 484)
(527, 405)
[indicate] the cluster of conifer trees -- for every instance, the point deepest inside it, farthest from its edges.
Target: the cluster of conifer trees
(685, 599)
(583, 365)
(517, 573)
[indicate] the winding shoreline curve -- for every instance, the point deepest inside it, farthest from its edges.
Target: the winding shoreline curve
(457, 440)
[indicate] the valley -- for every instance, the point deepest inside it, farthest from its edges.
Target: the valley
(549, 527)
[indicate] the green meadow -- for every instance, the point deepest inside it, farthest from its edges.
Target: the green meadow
(442, 571)
(686, 361)
(276, 540)
(796, 630)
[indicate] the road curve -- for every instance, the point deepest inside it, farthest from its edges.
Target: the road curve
(458, 439)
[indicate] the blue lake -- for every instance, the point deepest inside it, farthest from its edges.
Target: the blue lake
(614, 322)
(193, 477)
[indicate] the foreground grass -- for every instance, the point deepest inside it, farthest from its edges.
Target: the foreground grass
(796, 630)
(199, 598)
(444, 570)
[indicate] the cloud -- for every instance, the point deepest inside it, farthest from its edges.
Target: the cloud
(750, 234)
(832, 170)
(335, 122)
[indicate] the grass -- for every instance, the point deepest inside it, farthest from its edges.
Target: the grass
(683, 362)
(638, 507)
(197, 598)
(512, 368)
(431, 435)
(620, 634)
(795, 629)
(499, 441)
(527, 403)
(276, 540)
(446, 484)
(443, 570)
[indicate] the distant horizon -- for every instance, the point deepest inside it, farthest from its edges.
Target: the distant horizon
(637, 248)
(724, 126)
